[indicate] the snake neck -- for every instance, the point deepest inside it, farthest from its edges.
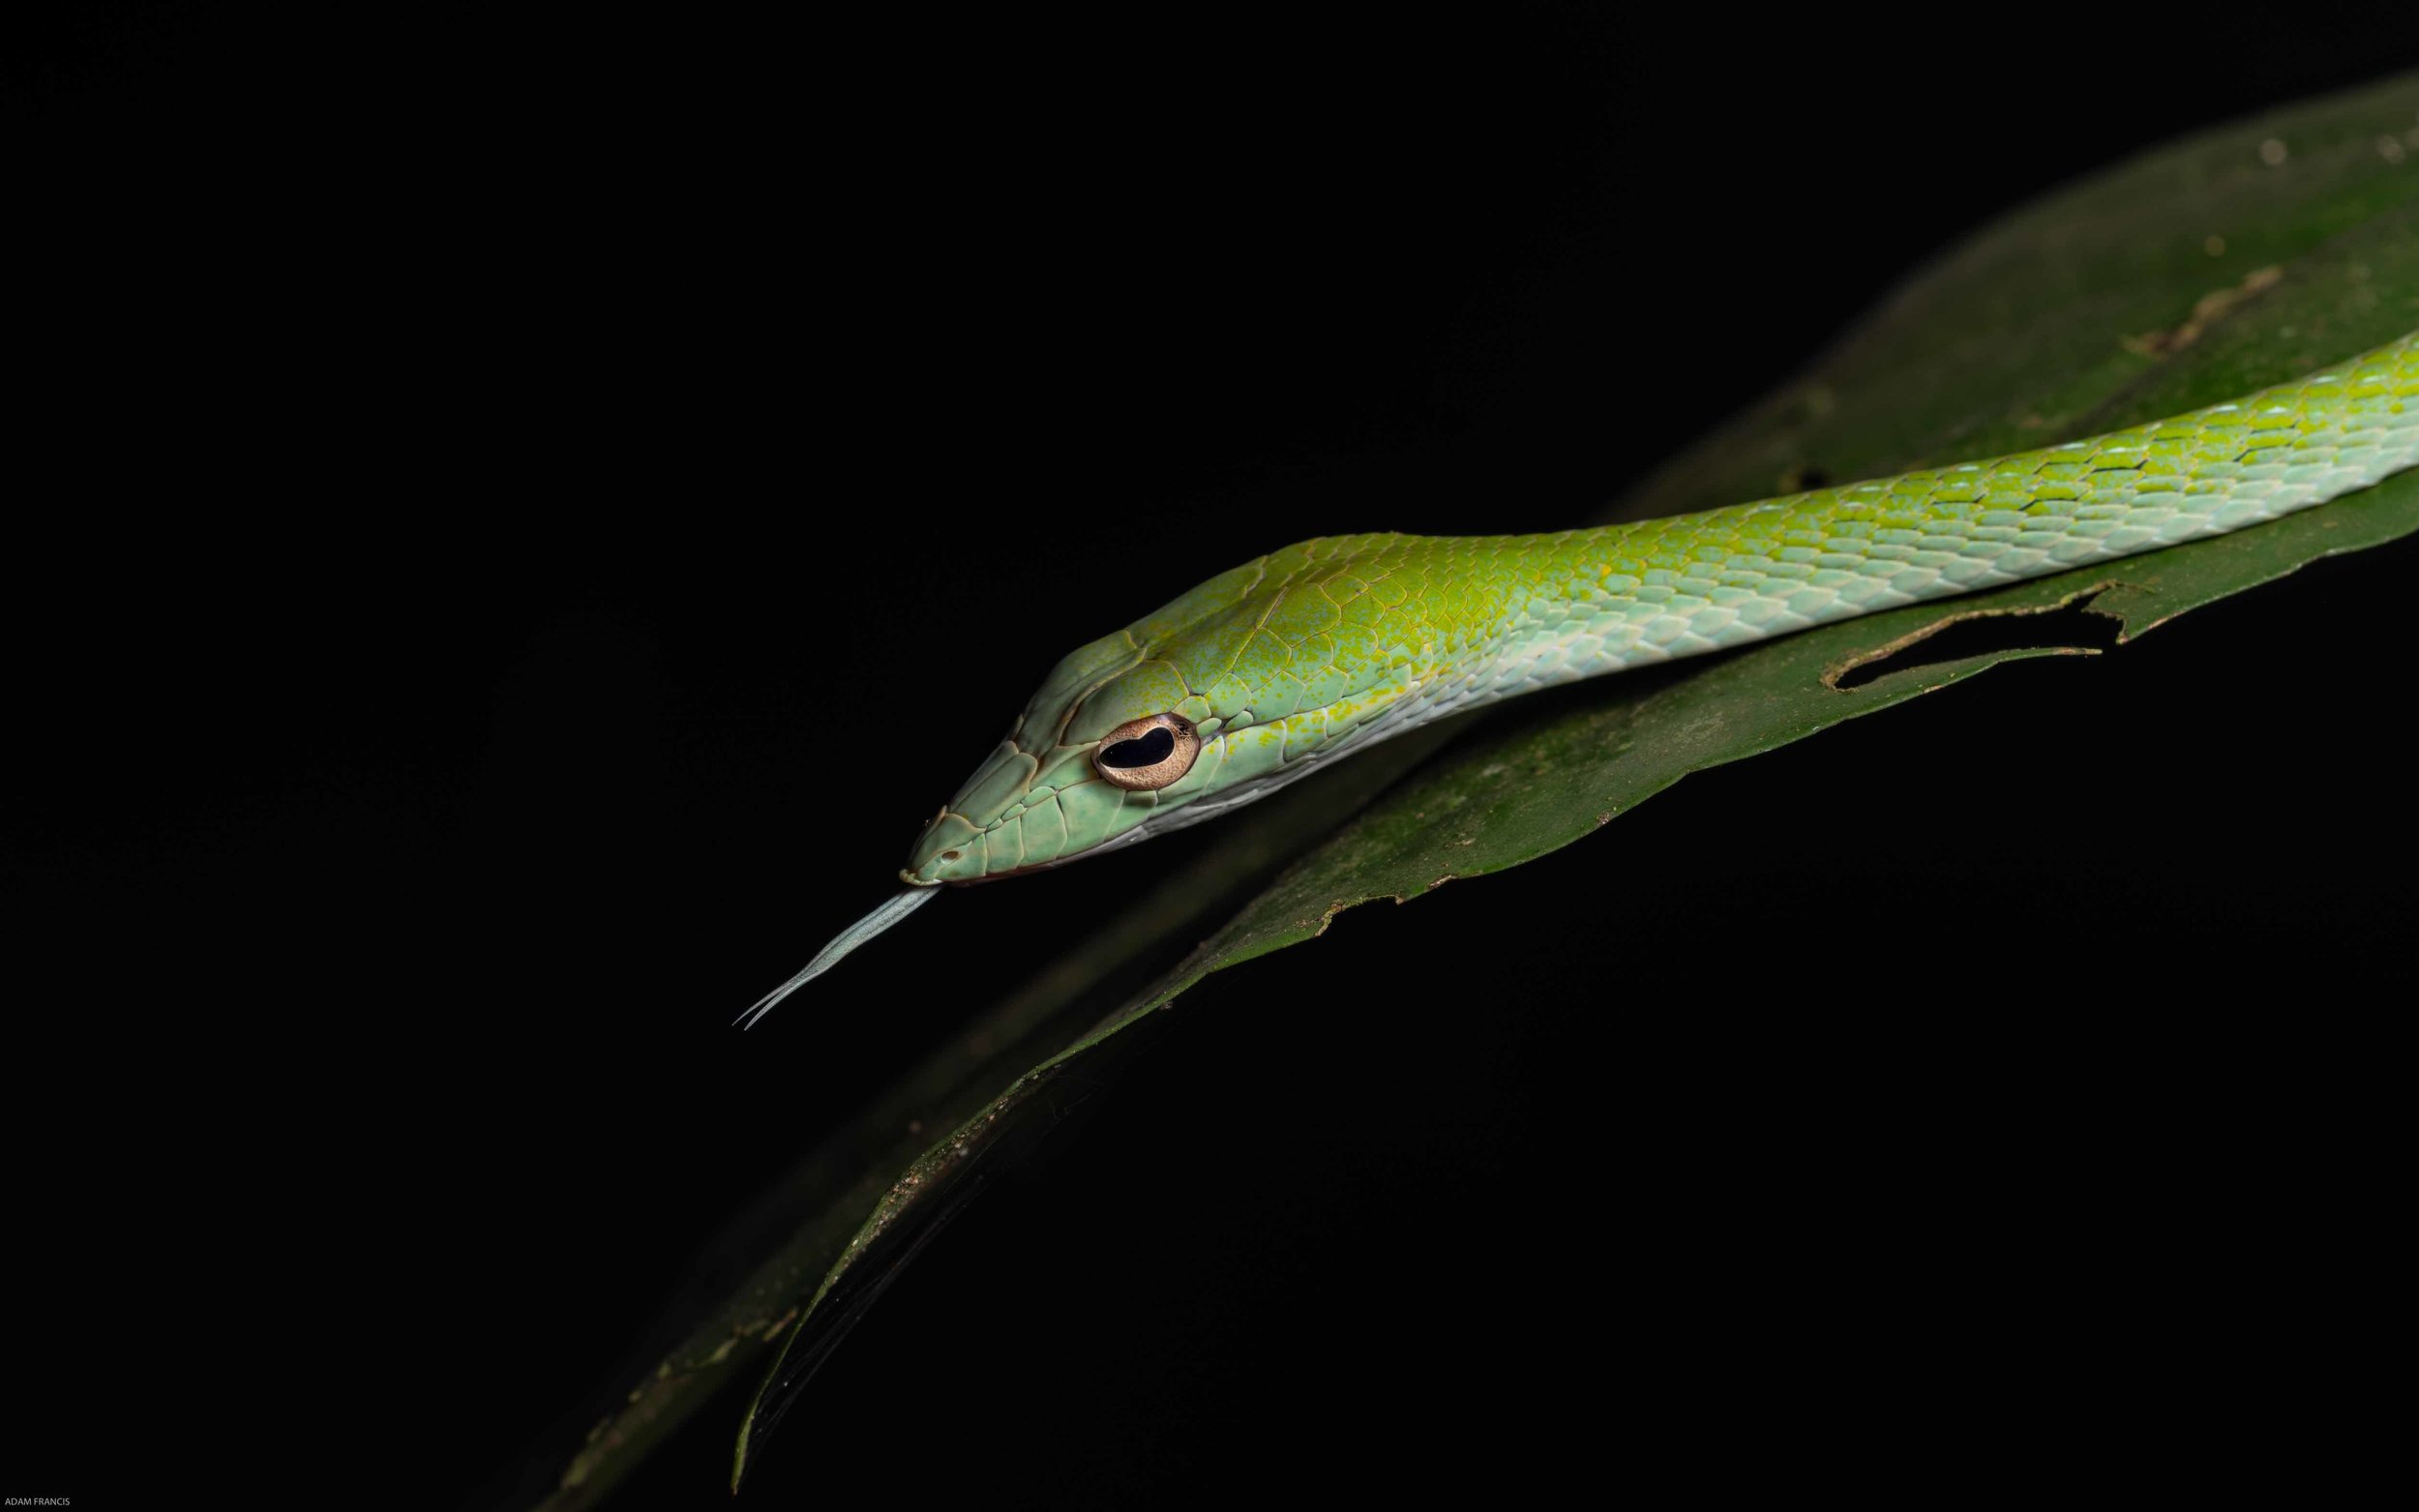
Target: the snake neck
(1475, 620)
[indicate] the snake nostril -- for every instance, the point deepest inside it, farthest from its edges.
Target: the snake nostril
(951, 855)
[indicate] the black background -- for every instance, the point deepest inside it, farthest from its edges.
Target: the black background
(520, 519)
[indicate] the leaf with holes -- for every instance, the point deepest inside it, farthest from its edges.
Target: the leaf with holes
(2104, 307)
(2187, 276)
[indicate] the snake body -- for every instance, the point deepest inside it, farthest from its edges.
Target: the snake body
(1328, 646)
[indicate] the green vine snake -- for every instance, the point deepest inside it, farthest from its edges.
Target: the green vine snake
(1261, 674)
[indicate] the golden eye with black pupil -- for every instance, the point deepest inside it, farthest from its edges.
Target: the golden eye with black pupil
(1145, 755)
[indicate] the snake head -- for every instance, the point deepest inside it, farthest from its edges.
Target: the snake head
(1215, 701)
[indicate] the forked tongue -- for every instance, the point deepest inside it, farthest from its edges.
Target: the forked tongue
(848, 939)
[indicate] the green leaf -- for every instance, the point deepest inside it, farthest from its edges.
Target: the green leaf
(2193, 273)
(822, 1202)
(2196, 272)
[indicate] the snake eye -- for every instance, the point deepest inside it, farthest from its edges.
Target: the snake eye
(1145, 755)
